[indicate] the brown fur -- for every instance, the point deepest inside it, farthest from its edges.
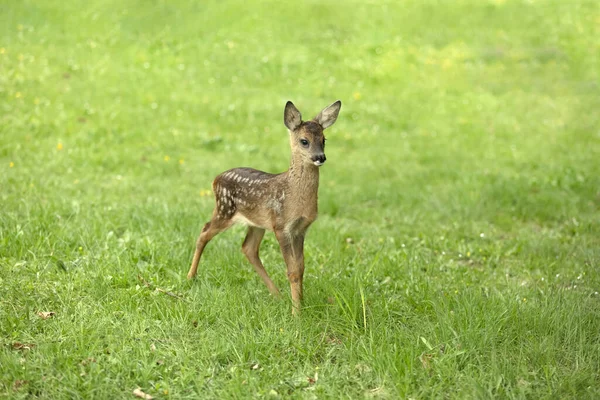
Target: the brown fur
(284, 203)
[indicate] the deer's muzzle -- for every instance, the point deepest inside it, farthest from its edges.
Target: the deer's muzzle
(319, 159)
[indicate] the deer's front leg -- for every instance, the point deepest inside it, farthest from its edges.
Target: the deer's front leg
(292, 248)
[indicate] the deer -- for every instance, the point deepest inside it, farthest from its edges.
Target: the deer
(285, 203)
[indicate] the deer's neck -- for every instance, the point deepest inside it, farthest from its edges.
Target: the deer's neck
(303, 183)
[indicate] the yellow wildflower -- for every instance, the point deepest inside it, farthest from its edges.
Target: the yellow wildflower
(167, 158)
(11, 164)
(181, 161)
(356, 95)
(59, 146)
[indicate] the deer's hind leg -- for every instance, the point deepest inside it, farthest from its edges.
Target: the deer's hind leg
(216, 225)
(250, 250)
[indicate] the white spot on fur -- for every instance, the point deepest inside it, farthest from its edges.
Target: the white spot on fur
(274, 204)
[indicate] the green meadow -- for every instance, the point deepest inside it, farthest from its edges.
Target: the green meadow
(457, 249)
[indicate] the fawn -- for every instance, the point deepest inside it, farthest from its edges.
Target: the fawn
(284, 203)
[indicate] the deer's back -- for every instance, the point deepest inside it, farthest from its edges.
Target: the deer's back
(251, 196)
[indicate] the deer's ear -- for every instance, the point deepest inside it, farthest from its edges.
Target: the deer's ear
(327, 117)
(291, 116)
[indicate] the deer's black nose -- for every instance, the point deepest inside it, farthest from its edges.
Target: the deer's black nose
(319, 159)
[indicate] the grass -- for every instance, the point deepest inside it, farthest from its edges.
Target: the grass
(457, 250)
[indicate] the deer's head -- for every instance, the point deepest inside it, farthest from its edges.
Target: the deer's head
(306, 137)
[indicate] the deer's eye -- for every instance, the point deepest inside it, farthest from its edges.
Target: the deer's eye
(304, 142)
